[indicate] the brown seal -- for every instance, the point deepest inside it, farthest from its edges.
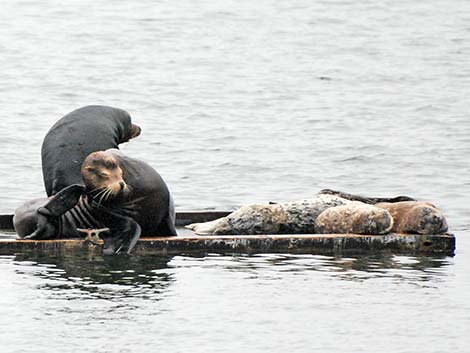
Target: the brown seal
(415, 217)
(355, 217)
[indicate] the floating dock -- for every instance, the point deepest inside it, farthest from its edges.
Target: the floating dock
(188, 242)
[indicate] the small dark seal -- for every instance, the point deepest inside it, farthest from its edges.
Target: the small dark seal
(121, 198)
(75, 136)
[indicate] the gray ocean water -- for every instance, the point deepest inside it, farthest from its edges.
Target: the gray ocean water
(243, 102)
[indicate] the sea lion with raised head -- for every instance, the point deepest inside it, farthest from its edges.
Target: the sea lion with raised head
(76, 135)
(123, 194)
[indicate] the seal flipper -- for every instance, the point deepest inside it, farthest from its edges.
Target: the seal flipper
(48, 215)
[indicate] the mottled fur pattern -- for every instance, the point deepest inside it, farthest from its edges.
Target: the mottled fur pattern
(296, 217)
(416, 217)
(355, 217)
(329, 213)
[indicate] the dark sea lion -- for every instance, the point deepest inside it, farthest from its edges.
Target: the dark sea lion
(416, 217)
(40, 218)
(75, 136)
(25, 219)
(356, 218)
(120, 193)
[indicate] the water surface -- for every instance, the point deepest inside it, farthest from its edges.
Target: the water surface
(244, 102)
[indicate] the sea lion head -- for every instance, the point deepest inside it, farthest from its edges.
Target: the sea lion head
(103, 177)
(130, 132)
(121, 120)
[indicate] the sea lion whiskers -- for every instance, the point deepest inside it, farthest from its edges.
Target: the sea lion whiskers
(98, 198)
(105, 195)
(101, 190)
(95, 196)
(127, 188)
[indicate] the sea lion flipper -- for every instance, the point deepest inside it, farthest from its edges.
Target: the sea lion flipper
(45, 229)
(123, 235)
(134, 238)
(64, 200)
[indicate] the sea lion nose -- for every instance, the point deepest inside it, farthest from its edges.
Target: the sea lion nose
(122, 184)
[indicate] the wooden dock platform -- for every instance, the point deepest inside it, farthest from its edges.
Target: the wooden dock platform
(188, 242)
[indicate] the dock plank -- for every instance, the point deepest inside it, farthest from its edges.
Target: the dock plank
(187, 241)
(413, 244)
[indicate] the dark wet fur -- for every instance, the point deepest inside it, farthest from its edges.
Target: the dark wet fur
(368, 200)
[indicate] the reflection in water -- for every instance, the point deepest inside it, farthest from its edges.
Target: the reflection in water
(86, 275)
(223, 302)
(355, 268)
(98, 277)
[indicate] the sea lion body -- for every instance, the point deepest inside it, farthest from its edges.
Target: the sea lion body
(355, 217)
(81, 216)
(75, 136)
(296, 217)
(416, 217)
(147, 198)
(25, 218)
(123, 194)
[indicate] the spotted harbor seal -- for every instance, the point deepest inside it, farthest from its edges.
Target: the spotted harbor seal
(75, 136)
(355, 217)
(416, 217)
(328, 212)
(121, 197)
(296, 217)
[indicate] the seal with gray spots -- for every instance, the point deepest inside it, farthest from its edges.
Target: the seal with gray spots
(355, 217)
(296, 217)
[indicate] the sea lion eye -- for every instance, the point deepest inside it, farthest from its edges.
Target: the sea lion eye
(110, 164)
